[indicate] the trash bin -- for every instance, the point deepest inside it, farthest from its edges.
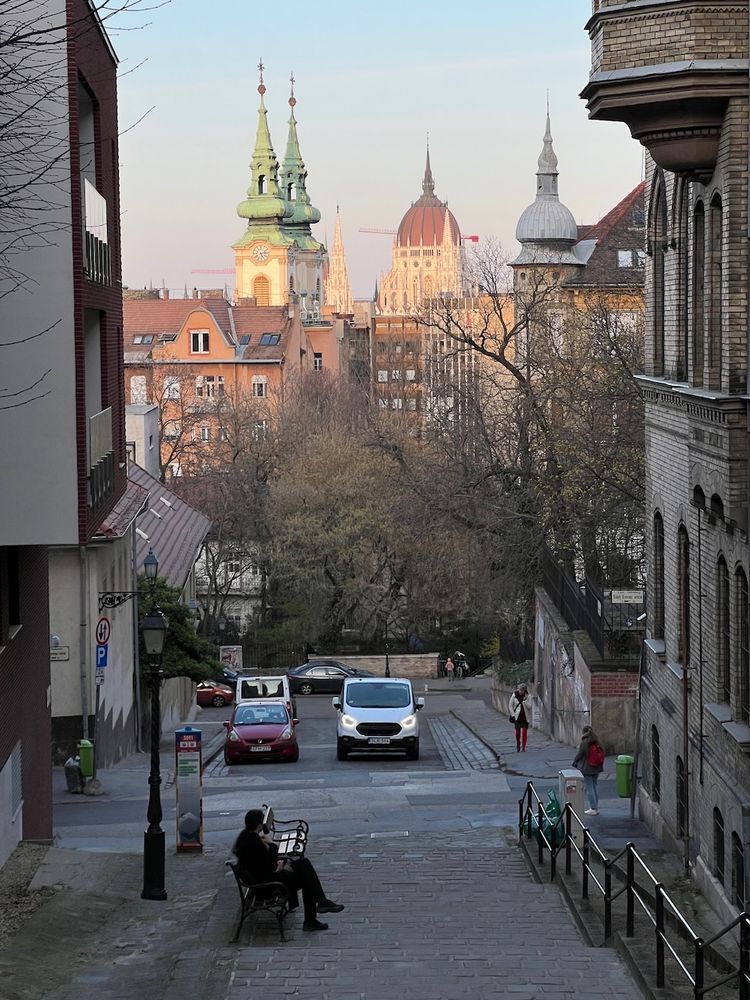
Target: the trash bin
(86, 753)
(73, 775)
(624, 775)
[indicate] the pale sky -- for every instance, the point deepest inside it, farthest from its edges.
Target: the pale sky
(371, 81)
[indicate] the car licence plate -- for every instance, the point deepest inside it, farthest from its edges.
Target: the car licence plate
(379, 739)
(260, 749)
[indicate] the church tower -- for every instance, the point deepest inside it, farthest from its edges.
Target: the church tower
(338, 291)
(428, 255)
(278, 256)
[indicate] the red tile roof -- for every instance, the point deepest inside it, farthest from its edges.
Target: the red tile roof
(621, 229)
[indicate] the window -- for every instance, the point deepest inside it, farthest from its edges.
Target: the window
(683, 282)
(658, 242)
(398, 348)
(743, 645)
(658, 590)
(269, 339)
(718, 869)
(172, 430)
(144, 338)
(624, 258)
(699, 260)
(198, 385)
(396, 375)
(317, 362)
(683, 594)
(223, 436)
(738, 873)
(411, 403)
(260, 386)
(172, 388)
(138, 389)
(639, 258)
(681, 797)
(397, 403)
(244, 340)
(220, 384)
(723, 644)
(655, 765)
(382, 376)
(199, 341)
(411, 374)
(714, 293)
(260, 430)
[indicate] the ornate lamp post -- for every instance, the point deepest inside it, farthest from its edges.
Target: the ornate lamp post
(154, 631)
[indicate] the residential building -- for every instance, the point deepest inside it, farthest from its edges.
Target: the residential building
(677, 75)
(62, 450)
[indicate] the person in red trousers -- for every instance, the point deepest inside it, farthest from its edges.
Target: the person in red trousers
(518, 715)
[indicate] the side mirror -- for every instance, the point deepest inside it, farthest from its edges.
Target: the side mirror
(420, 704)
(336, 702)
(295, 722)
(227, 725)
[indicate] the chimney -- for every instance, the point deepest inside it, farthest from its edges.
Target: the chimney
(165, 293)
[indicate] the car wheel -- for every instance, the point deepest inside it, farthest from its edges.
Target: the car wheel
(341, 752)
(414, 753)
(227, 761)
(306, 688)
(295, 757)
(218, 700)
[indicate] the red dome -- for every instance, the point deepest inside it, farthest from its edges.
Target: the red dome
(425, 224)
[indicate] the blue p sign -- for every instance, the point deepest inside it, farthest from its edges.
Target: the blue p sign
(101, 656)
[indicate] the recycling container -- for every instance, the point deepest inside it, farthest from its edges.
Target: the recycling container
(86, 753)
(624, 775)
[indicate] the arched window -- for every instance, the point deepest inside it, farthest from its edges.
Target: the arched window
(716, 228)
(723, 626)
(738, 873)
(718, 869)
(681, 798)
(683, 284)
(743, 645)
(655, 765)
(717, 507)
(683, 594)
(658, 241)
(261, 183)
(658, 591)
(262, 290)
(699, 277)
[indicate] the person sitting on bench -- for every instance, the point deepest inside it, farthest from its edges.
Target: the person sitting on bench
(258, 860)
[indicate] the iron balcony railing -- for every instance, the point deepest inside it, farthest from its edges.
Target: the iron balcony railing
(558, 834)
(101, 459)
(97, 263)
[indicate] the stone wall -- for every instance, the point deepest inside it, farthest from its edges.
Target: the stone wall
(412, 665)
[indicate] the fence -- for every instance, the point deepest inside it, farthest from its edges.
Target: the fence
(561, 834)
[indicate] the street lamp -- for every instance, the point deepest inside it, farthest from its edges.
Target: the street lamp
(387, 647)
(154, 631)
(221, 624)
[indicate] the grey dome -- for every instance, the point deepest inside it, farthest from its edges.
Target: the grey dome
(546, 219)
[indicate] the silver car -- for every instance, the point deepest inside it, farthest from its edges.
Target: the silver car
(377, 714)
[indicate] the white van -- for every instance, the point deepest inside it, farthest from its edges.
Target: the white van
(377, 714)
(271, 687)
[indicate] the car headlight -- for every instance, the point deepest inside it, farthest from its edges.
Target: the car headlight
(348, 722)
(233, 736)
(286, 735)
(409, 722)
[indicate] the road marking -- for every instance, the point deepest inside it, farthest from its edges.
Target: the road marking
(390, 833)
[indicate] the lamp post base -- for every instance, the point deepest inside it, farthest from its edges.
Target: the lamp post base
(153, 865)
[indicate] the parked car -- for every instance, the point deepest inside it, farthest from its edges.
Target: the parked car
(376, 715)
(225, 675)
(275, 687)
(214, 693)
(322, 676)
(260, 730)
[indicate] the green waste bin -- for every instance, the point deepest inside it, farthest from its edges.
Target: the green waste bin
(624, 775)
(86, 753)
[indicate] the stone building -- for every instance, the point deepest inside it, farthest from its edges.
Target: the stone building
(677, 74)
(338, 291)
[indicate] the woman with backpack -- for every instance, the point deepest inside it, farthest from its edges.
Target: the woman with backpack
(590, 762)
(518, 716)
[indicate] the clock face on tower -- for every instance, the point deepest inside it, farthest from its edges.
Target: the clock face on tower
(260, 253)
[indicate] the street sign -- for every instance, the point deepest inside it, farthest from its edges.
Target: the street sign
(101, 657)
(627, 597)
(99, 676)
(103, 631)
(59, 653)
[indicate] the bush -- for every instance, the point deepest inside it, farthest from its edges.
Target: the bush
(513, 674)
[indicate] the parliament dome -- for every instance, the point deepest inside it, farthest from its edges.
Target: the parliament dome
(425, 223)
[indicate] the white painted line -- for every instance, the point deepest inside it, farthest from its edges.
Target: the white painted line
(391, 833)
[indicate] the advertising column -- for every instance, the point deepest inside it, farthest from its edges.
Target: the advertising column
(189, 786)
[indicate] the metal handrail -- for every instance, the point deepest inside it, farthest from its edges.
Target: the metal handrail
(569, 843)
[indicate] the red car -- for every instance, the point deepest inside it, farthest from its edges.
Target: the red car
(260, 730)
(213, 693)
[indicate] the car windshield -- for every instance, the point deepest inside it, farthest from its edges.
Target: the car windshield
(262, 715)
(376, 694)
(263, 689)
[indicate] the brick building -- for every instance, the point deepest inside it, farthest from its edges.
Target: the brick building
(62, 450)
(677, 74)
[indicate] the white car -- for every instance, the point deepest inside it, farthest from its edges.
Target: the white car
(377, 714)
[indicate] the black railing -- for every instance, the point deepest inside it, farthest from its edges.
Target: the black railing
(556, 834)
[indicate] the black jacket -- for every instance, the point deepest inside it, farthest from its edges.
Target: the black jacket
(257, 860)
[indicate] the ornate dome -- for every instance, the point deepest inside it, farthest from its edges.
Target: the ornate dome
(546, 219)
(425, 222)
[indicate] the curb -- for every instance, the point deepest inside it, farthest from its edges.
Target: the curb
(498, 756)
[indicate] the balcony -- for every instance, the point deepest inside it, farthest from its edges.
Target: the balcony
(97, 263)
(101, 459)
(668, 69)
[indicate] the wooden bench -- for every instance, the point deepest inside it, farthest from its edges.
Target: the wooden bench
(290, 835)
(268, 897)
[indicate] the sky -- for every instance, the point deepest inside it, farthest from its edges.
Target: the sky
(372, 80)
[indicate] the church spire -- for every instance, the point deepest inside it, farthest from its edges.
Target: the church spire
(294, 178)
(263, 203)
(547, 163)
(337, 288)
(428, 184)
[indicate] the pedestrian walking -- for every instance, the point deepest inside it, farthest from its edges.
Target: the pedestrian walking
(518, 715)
(258, 858)
(450, 669)
(590, 762)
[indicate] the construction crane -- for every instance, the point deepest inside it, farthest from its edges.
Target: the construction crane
(392, 232)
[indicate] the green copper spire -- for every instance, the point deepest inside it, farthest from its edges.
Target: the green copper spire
(265, 207)
(294, 180)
